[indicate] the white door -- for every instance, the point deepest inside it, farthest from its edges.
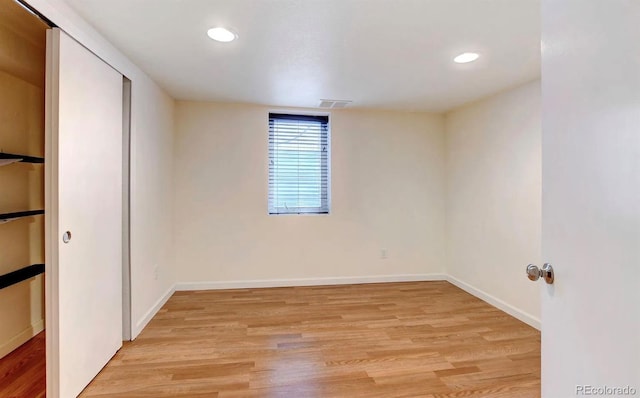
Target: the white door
(84, 197)
(591, 197)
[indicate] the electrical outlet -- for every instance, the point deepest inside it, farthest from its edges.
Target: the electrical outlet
(156, 271)
(384, 254)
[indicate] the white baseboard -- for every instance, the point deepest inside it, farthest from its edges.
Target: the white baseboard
(496, 302)
(21, 338)
(345, 280)
(152, 312)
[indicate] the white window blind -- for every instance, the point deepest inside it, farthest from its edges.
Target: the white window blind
(298, 164)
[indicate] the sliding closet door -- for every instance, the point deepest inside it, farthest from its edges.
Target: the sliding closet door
(84, 215)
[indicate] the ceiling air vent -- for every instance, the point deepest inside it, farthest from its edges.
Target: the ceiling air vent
(333, 104)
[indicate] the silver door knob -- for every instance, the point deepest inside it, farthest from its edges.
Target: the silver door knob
(66, 237)
(534, 273)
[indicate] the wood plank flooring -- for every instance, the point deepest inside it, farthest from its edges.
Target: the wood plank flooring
(22, 373)
(418, 339)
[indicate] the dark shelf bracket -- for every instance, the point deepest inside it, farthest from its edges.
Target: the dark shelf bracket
(4, 218)
(21, 275)
(20, 158)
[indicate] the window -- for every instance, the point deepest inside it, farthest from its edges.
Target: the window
(298, 164)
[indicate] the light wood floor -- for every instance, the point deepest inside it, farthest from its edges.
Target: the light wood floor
(423, 339)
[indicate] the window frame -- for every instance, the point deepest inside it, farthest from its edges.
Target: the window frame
(329, 152)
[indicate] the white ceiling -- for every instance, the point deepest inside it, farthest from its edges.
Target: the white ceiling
(394, 54)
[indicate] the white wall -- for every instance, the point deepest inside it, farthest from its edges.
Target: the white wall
(152, 273)
(387, 192)
(151, 167)
(493, 197)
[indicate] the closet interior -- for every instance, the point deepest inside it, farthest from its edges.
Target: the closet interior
(22, 135)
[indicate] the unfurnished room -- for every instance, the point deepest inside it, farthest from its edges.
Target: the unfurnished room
(319, 198)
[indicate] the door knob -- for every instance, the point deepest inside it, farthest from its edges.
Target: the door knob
(66, 237)
(534, 273)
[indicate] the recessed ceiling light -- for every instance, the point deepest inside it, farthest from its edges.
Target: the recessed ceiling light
(466, 57)
(221, 34)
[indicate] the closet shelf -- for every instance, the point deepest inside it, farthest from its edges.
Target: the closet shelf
(21, 275)
(5, 218)
(7, 158)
